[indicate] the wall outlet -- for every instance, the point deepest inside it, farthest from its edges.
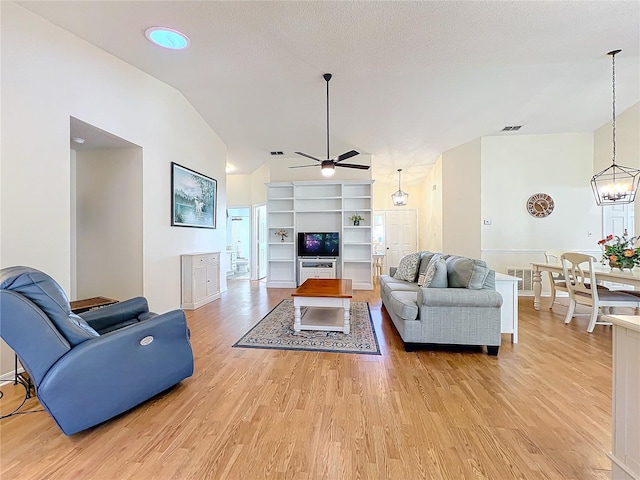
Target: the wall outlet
(486, 222)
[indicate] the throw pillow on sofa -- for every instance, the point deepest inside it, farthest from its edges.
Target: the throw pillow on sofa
(436, 274)
(408, 267)
(463, 272)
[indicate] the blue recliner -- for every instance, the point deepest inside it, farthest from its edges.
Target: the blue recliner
(89, 368)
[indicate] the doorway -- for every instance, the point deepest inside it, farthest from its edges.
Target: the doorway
(106, 214)
(238, 242)
(395, 234)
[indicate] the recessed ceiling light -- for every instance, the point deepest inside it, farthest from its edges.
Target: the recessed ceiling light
(78, 140)
(167, 38)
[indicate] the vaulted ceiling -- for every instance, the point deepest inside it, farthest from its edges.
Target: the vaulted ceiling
(410, 79)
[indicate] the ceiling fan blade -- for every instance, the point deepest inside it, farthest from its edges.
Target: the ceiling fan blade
(353, 165)
(308, 156)
(302, 166)
(344, 156)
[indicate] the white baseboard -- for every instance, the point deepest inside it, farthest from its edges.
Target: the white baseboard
(9, 377)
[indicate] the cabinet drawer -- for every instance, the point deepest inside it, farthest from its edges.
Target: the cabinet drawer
(213, 258)
(199, 260)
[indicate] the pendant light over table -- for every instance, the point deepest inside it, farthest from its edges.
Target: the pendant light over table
(615, 185)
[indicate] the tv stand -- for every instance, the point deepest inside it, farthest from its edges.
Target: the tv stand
(316, 268)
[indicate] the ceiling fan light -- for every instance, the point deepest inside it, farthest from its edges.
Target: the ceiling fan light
(328, 168)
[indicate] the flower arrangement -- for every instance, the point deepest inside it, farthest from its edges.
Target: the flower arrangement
(356, 218)
(620, 252)
(282, 233)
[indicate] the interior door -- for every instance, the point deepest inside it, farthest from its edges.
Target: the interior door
(260, 216)
(401, 235)
(616, 219)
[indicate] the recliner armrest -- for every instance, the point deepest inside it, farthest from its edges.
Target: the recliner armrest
(458, 297)
(105, 317)
(109, 374)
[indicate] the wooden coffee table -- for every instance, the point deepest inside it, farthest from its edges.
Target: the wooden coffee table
(323, 304)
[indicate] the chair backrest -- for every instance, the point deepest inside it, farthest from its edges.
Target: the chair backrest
(553, 258)
(36, 320)
(47, 294)
(578, 271)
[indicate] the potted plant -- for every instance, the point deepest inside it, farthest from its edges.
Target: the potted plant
(356, 218)
(283, 234)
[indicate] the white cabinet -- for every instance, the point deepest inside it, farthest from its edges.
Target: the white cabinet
(507, 286)
(324, 268)
(326, 206)
(200, 279)
(625, 453)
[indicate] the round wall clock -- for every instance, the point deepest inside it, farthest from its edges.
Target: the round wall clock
(540, 205)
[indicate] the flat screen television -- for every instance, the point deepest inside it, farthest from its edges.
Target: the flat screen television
(318, 244)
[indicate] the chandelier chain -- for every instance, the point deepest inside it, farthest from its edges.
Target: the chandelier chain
(613, 122)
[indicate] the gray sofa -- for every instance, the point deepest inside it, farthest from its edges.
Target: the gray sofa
(457, 305)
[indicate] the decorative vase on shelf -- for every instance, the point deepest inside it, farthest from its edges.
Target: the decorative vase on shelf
(282, 239)
(356, 223)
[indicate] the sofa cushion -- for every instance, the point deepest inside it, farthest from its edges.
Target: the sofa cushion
(425, 258)
(463, 272)
(404, 304)
(436, 274)
(408, 267)
(398, 286)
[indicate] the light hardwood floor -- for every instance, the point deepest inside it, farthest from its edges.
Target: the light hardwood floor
(540, 410)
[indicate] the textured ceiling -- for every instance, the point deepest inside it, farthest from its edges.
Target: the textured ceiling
(411, 79)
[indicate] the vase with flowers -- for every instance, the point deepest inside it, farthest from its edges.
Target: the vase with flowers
(282, 234)
(620, 251)
(356, 219)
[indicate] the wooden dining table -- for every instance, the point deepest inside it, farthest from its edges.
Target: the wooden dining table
(602, 274)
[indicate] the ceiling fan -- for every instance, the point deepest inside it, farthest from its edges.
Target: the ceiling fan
(329, 165)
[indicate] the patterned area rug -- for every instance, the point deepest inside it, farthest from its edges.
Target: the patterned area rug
(275, 331)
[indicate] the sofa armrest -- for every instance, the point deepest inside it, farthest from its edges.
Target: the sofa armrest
(105, 317)
(458, 297)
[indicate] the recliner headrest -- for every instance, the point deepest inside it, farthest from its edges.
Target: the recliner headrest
(45, 292)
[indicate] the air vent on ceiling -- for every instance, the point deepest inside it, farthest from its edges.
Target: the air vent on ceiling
(277, 153)
(511, 128)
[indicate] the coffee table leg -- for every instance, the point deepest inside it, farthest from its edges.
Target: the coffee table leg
(346, 327)
(296, 318)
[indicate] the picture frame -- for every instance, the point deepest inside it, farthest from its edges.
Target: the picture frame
(193, 198)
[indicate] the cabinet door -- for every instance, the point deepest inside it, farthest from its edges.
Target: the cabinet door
(324, 273)
(199, 283)
(213, 283)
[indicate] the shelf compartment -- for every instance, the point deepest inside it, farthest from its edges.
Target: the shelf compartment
(318, 191)
(357, 190)
(357, 204)
(318, 204)
(280, 192)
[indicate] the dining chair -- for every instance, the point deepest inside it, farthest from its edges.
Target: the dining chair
(579, 274)
(557, 281)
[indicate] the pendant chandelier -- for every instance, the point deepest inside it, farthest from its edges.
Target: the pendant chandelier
(615, 185)
(399, 198)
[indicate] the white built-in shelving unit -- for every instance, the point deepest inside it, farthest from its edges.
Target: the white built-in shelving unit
(324, 206)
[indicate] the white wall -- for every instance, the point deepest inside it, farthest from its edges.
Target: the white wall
(461, 209)
(430, 212)
(516, 167)
(48, 76)
(109, 224)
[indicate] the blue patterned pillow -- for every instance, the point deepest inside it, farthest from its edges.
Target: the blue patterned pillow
(408, 267)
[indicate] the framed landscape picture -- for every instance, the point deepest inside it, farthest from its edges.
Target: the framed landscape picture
(193, 198)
